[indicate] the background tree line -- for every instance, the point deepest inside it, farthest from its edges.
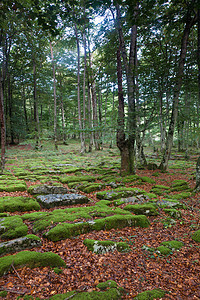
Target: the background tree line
(95, 70)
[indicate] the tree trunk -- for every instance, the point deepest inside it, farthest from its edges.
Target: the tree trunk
(55, 100)
(3, 128)
(36, 116)
(165, 159)
(130, 66)
(198, 63)
(78, 93)
(197, 187)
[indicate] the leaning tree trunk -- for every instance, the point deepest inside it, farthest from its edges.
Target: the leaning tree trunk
(165, 159)
(197, 187)
(3, 128)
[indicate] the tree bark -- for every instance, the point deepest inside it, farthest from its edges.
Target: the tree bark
(3, 128)
(55, 100)
(36, 115)
(197, 187)
(78, 93)
(198, 63)
(130, 66)
(166, 156)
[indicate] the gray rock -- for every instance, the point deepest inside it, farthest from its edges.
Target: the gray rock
(49, 189)
(19, 244)
(53, 200)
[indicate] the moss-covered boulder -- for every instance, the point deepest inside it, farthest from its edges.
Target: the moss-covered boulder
(172, 212)
(67, 179)
(47, 189)
(21, 203)
(164, 250)
(102, 247)
(179, 185)
(31, 259)
(26, 242)
(107, 284)
(173, 245)
(142, 209)
(119, 193)
(147, 179)
(12, 227)
(110, 294)
(88, 188)
(170, 203)
(53, 200)
(150, 295)
(196, 236)
(67, 230)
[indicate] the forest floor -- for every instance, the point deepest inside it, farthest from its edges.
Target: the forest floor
(137, 270)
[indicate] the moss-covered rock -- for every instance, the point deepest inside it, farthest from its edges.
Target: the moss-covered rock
(164, 250)
(147, 179)
(3, 294)
(142, 209)
(173, 245)
(31, 259)
(119, 193)
(102, 247)
(68, 179)
(196, 236)
(172, 212)
(179, 185)
(180, 196)
(107, 284)
(170, 203)
(12, 227)
(19, 244)
(66, 230)
(110, 294)
(21, 203)
(150, 295)
(88, 188)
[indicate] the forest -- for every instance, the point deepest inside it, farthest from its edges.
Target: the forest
(100, 149)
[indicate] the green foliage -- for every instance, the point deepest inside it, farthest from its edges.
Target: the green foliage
(150, 295)
(12, 227)
(196, 236)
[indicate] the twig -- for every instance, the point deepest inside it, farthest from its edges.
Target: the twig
(71, 296)
(12, 291)
(16, 272)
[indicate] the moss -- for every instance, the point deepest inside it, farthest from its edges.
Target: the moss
(3, 294)
(158, 191)
(164, 187)
(65, 230)
(105, 246)
(163, 250)
(142, 209)
(180, 196)
(147, 179)
(68, 179)
(13, 204)
(118, 193)
(108, 284)
(103, 202)
(110, 294)
(88, 188)
(171, 203)
(196, 236)
(131, 178)
(33, 237)
(174, 213)
(179, 182)
(150, 295)
(173, 245)
(3, 215)
(31, 259)
(13, 188)
(12, 227)
(58, 271)
(180, 188)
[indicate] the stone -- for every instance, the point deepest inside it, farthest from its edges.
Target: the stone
(53, 200)
(48, 189)
(19, 244)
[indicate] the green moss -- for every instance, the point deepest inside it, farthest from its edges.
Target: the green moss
(150, 295)
(163, 250)
(171, 203)
(122, 247)
(108, 284)
(88, 188)
(142, 209)
(31, 259)
(58, 271)
(68, 179)
(179, 182)
(180, 196)
(196, 236)
(33, 237)
(12, 227)
(110, 294)
(3, 294)
(118, 193)
(172, 212)
(147, 179)
(173, 245)
(105, 246)
(3, 215)
(13, 204)
(163, 187)
(130, 178)
(65, 230)
(13, 188)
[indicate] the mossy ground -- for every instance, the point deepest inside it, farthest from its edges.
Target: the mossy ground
(13, 204)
